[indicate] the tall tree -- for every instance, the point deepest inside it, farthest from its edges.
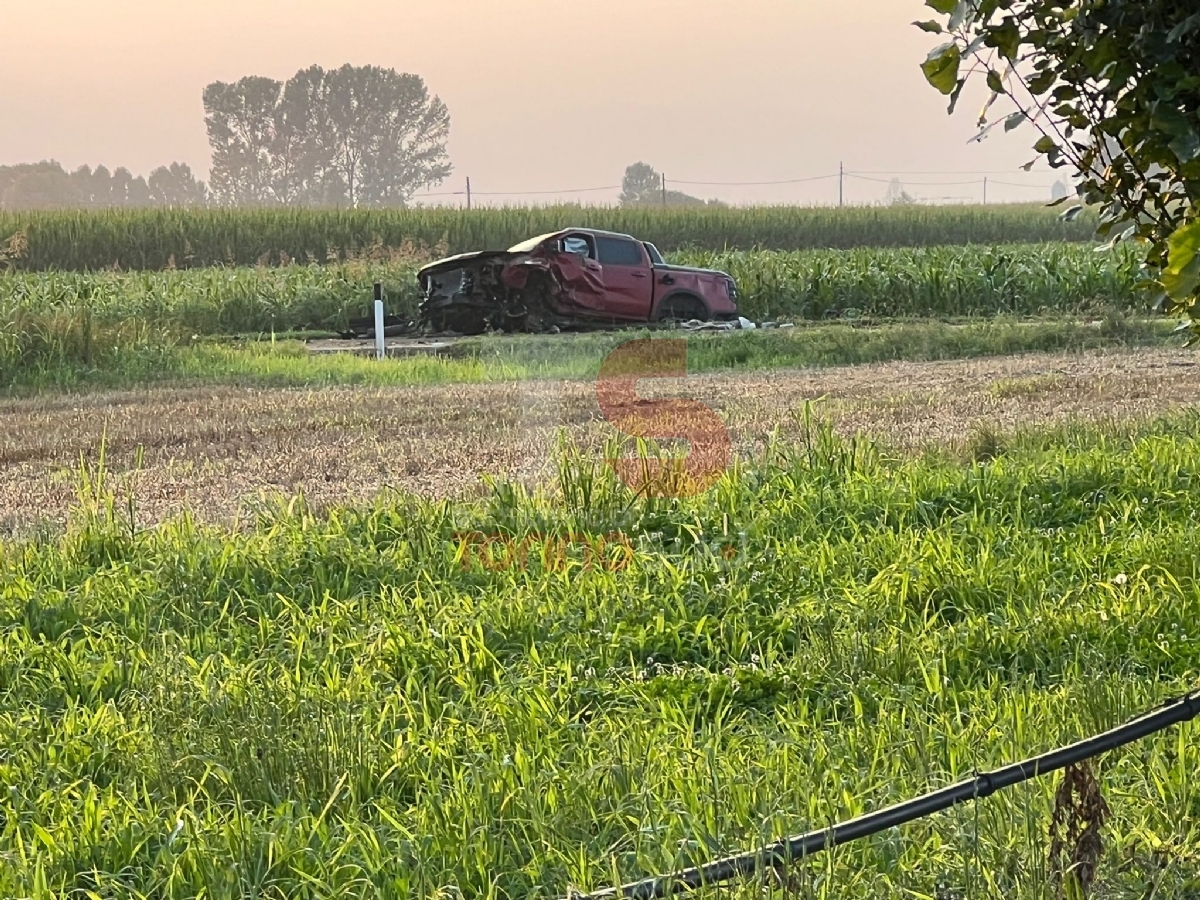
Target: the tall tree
(299, 148)
(641, 184)
(1113, 89)
(241, 119)
(386, 136)
(128, 190)
(353, 136)
(176, 186)
(95, 187)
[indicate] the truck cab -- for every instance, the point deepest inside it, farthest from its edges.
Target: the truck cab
(640, 286)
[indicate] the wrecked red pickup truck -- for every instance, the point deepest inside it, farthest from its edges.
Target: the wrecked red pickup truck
(577, 278)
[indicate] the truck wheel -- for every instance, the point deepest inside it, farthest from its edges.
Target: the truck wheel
(467, 322)
(682, 308)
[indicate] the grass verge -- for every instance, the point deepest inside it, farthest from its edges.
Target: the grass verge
(289, 364)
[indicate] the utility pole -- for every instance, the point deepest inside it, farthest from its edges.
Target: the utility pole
(841, 184)
(664, 192)
(985, 190)
(468, 193)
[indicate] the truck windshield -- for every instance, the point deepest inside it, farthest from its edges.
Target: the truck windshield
(655, 257)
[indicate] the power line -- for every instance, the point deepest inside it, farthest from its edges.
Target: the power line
(1013, 184)
(753, 183)
(861, 175)
(531, 193)
(980, 172)
(612, 187)
(921, 183)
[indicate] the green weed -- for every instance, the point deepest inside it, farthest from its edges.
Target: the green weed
(330, 704)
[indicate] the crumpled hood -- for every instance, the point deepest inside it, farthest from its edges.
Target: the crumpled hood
(451, 262)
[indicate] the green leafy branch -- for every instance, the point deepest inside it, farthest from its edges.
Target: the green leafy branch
(1113, 89)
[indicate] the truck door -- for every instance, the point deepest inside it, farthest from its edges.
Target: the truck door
(580, 274)
(627, 277)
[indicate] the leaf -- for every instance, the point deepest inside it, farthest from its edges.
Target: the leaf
(45, 837)
(983, 113)
(931, 26)
(1168, 119)
(958, 89)
(1045, 144)
(1071, 214)
(945, 7)
(1187, 26)
(995, 85)
(941, 67)
(1182, 274)
(975, 44)
(1186, 146)
(983, 133)
(1007, 38)
(1184, 244)
(1042, 82)
(961, 10)
(1014, 121)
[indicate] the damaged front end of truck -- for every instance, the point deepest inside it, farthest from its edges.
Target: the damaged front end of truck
(519, 290)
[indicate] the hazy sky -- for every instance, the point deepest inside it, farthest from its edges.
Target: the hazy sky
(543, 94)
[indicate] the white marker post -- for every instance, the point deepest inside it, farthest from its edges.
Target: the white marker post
(380, 345)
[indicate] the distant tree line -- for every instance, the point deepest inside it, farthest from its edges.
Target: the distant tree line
(352, 137)
(47, 185)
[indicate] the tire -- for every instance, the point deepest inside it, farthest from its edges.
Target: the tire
(464, 322)
(683, 308)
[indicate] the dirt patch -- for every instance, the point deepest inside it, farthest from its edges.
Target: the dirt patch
(216, 451)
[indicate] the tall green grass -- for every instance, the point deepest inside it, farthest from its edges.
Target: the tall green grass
(348, 704)
(76, 341)
(156, 239)
(289, 363)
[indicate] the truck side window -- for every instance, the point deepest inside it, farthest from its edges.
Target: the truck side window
(578, 244)
(619, 252)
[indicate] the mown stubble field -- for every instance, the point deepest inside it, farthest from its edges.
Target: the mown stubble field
(217, 451)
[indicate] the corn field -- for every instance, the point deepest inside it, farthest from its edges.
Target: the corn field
(97, 319)
(933, 281)
(159, 239)
(941, 281)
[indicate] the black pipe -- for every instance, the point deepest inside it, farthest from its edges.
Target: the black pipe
(1172, 713)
